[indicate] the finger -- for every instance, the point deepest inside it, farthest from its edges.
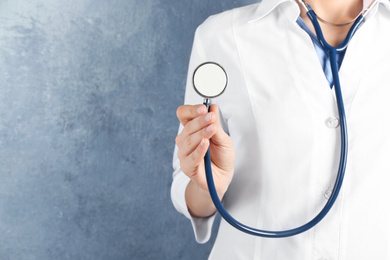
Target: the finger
(197, 125)
(187, 113)
(195, 159)
(192, 141)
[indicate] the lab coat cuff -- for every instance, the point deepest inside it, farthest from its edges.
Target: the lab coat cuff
(202, 226)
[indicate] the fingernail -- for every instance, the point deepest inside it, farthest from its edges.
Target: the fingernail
(209, 128)
(202, 142)
(208, 117)
(200, 109)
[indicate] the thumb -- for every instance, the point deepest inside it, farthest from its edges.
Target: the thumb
(219, 138)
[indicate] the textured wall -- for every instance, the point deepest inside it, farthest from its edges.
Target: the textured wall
(88, 93)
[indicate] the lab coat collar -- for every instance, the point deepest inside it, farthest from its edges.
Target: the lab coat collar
(385, 3)
(265, 7)
(291, 7)
(366, 3)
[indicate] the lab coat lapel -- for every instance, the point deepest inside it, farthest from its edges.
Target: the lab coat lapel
(355, 61)
(311, 80)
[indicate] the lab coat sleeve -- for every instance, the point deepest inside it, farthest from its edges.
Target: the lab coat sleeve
(201, 226)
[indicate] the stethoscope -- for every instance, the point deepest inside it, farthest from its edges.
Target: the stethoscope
(210, 80)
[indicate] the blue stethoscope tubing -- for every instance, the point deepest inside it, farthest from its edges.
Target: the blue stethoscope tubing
(332, 51)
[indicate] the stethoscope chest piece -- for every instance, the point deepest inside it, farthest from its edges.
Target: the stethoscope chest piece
(209, 80)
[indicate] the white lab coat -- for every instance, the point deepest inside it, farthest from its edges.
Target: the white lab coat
(279, 112)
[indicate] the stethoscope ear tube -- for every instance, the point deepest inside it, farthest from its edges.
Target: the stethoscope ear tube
(332, 51)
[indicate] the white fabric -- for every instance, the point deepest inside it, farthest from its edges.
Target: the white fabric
(366, 3)
(277, 108)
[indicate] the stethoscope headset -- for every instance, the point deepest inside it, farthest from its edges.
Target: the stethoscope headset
(210, 80)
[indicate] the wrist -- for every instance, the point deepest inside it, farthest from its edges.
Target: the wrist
(199, 202)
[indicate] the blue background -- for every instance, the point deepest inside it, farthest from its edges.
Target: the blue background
(88, 94)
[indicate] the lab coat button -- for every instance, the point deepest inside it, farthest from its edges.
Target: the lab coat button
(332, 122)
(327, 193)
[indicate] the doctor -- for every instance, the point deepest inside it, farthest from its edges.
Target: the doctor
(274, 139)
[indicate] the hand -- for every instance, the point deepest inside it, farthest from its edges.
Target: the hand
(202, 129)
